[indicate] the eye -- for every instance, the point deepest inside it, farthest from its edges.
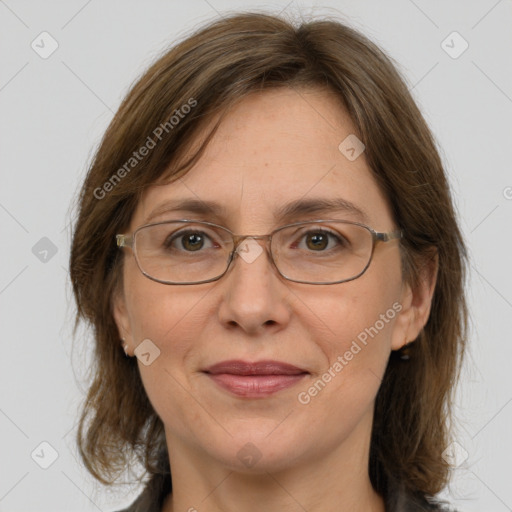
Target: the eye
(189, 240)
(319, 240)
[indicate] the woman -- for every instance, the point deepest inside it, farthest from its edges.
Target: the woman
(267, 250)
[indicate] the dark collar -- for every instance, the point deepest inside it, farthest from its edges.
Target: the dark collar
(397, 500)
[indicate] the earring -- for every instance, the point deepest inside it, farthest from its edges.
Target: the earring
(405, 352)
(125, 348)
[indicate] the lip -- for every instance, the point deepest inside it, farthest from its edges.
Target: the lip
(255, 380)
(266, 367)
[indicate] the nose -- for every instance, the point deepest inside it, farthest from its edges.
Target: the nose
(254, 294)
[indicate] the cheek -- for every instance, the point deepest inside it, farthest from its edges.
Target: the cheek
(172, 318)
(361, 312)
(355, 325)
(158, 311)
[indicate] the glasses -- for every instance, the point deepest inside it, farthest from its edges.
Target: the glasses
(313, 252)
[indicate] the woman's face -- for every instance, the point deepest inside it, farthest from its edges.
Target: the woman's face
(275, 147)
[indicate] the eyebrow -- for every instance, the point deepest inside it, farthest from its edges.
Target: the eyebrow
(289, 211)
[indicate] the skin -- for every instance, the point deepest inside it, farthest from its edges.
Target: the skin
(273, 147)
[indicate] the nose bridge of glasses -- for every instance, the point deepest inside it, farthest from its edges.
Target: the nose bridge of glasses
(251, 251)
(238, 239)
(248, 252)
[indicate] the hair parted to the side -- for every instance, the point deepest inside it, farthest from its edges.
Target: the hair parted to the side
(217, 66)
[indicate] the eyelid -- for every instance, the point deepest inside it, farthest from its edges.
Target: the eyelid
(329, 231)
(206, 230)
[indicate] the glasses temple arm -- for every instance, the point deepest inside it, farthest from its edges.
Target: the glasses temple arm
(124, 240)
(386, 237)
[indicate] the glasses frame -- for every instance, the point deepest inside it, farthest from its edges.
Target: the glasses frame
(129, 240)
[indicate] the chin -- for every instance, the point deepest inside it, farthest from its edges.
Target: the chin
(258, 453)
(250, 459)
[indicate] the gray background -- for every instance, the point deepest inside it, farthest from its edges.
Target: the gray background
(53, 113)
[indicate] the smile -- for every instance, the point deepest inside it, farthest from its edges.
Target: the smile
(255, 380)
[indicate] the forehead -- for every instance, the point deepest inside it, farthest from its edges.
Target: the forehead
(273, 150)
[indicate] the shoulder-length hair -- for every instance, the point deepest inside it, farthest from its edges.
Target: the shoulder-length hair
(163, 112)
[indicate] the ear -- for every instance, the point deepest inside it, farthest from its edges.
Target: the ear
(122, 319)
(416, 302)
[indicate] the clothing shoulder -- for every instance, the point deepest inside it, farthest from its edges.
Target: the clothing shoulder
(144, 503)
(399, 500)
(152, 497)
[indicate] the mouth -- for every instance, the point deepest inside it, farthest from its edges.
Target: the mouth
(254, 380)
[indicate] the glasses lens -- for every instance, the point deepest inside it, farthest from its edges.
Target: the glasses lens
(182, 252)
(325, 252)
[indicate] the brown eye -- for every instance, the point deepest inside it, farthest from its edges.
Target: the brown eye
(187, 241)
(322, 240)
(192, 242)
(317, 241)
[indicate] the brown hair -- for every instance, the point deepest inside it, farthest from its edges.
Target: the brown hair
(210, 70)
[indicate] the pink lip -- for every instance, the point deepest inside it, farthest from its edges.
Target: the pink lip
(254, 380)
(267, 367)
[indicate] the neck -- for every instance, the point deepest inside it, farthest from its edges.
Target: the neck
(337, 481)
(271, 495)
